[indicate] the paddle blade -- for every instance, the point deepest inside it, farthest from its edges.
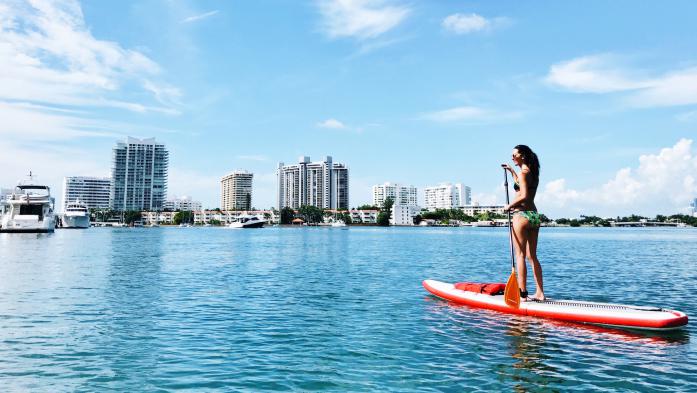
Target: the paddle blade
(512, 293)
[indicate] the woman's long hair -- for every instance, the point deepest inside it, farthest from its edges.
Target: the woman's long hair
(530, 159)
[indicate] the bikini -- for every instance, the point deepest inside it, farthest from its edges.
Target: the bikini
(532, 216)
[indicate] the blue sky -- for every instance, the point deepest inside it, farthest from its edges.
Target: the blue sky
(401, 91)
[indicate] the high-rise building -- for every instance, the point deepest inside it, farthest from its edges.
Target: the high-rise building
(447, 196)
(694, 207)
(139, 175)
(184, 203)
(465, 194)
(323, 184)
(401, 195)
(92, 191)
(236, 191)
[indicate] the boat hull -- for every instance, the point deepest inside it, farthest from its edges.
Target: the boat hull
(28, 224)
(259, 224)
(605, 314)
(75, 222)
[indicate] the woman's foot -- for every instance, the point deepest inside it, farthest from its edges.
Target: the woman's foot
(538, 297)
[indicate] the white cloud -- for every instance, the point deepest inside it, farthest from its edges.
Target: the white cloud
(361, 19)
(472, 23)
(663, 183)
(53, 74)
(674, 88)
(592, 74)
(331, 123)
(465, 23)
(603, 74)
(368, 47)
(687, 116)
(166, 95)
(195, 18)
(456, 114)
(27, 122)
(48, 56)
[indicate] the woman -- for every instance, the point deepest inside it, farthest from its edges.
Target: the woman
(526, 219)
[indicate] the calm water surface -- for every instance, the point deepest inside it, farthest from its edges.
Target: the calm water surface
(204, 309)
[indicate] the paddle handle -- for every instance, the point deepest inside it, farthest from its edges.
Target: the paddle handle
(510, 227)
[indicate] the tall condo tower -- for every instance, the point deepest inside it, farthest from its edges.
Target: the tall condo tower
(447, 196)
(92, 191)
(324, 184)
(139, 175)
(401, 195)
(236, 191)
(465, 194)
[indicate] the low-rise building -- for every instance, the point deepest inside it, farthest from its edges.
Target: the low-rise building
(364, 216)
(184, 203)
(152, 217)
(404, 215)
(473, 210)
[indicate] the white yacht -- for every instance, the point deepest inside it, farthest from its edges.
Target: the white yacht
(486, 223)
(76, 215)
(247, 222)
(338, 224)
(28, 209)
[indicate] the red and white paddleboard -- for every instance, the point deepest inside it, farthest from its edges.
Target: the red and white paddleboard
(606, 314)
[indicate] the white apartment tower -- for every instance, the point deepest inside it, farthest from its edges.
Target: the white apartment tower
(236, 191)
(465, 194)
(92, 191)
(401, 195)
(323, 184)
(139, 175)
(447, 196)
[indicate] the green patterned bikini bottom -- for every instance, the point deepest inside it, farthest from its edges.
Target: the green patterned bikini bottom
(532, 216)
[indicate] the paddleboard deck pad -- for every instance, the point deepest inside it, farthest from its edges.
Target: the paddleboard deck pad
(605, 314)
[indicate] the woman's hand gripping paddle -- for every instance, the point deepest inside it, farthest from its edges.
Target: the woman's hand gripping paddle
(512, 293)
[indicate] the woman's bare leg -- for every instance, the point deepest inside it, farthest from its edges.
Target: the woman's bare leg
(531, 253)
(520, 245)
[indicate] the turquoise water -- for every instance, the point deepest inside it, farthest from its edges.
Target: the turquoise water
(205, 309)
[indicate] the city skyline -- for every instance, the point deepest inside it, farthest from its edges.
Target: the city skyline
(417, 94)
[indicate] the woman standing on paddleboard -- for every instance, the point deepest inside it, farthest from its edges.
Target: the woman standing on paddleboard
(526, 219)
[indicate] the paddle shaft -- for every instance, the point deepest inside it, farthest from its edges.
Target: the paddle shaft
(510, 226)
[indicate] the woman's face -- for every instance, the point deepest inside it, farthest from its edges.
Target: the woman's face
(517, 158)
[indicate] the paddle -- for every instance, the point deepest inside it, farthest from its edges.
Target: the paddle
(512, 293)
